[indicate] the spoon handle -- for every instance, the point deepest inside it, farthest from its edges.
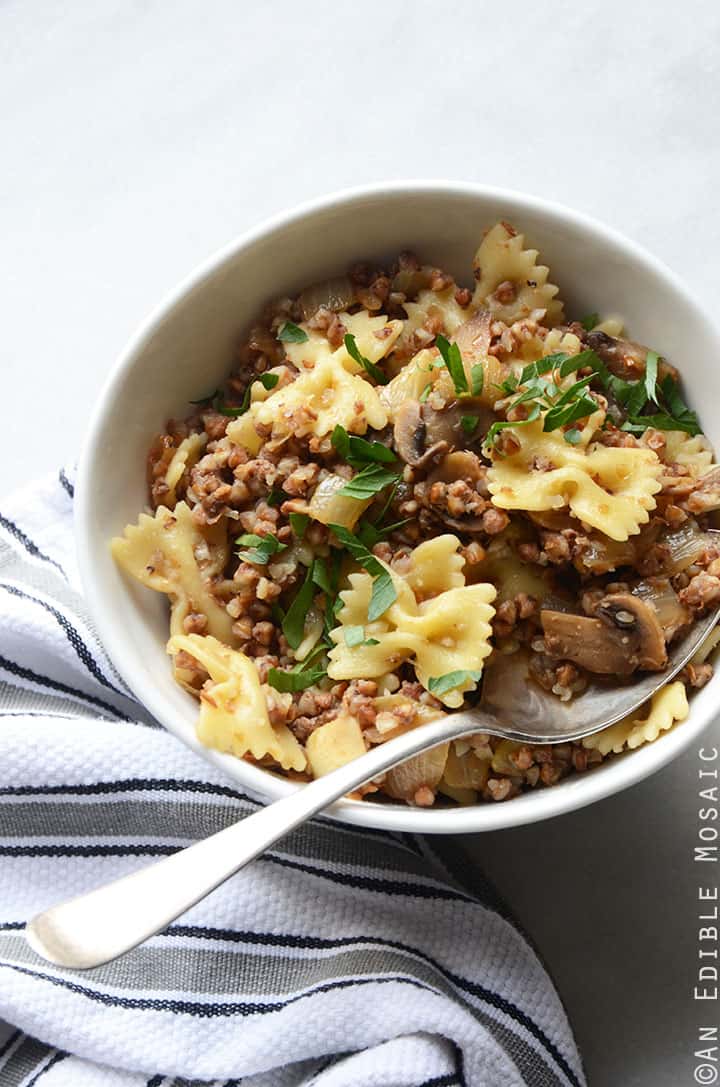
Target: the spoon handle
(98, 926)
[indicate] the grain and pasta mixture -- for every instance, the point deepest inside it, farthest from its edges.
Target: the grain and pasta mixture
(403, 480)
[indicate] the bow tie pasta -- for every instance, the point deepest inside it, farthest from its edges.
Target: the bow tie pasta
(446, 634)
(233, 707)
(170, 554)
(609, 489)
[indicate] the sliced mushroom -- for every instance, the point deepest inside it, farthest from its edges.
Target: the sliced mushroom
(624, 358)
(423, 434)
(461, 465)
(625, 636)
(473, 338)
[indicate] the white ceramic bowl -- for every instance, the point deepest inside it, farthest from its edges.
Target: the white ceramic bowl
(184, 349)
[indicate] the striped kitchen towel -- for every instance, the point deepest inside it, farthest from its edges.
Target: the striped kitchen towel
(341, 957)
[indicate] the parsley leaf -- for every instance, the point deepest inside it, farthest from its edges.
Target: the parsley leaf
(563, 414)
(497, 427)
(321, 577)
(477, 379)
(293, 624)
(442, 684)
(355, 636)
(590, 321)
(368, 482)
(301, 676)
(572, 437)
(469, 423)
(651, 373)
(354, 352)
(383, 591)
(262, 548)
(276, 497)
(357, 451)
(294, 681)
(298, 523)
(452, 358)
(268, 381)
(425, 393)
(291, 333)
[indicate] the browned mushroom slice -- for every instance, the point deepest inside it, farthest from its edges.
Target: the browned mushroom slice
(625, 636)
(624, 358)
(423, 434)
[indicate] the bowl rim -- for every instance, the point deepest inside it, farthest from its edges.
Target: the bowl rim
(572, 793)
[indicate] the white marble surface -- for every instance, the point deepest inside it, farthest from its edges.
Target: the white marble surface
(138, 136)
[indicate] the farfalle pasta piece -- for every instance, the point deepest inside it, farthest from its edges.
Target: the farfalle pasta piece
(667, 706)
(315, 403)
(501, 258)
(439, 305)
(233, 708)
(692, 451)
(185, 456)
(610, 489)
(169, 553)
(374, 336)
(448, 632)
(434, 566)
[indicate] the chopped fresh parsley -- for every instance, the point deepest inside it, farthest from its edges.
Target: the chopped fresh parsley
(359, 452)
(291, 333)
(469, 423)
(442, 684)
(293, 625)
(301, 676)
(369, 482)
(573, 436)
(451, 356)
(477, 379)
(276, 497)
(590, 321)
(354, 352)
(425, 393)
(261, 548)
(295, 680)
(298, 523)
(355, 637)
(496, 428)
(651, 373)
(268, 381)
(321, 576)
(383, 591)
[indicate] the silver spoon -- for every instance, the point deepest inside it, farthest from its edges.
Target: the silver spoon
(96, 927)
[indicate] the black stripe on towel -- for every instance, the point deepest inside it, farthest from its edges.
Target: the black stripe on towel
(70, 632)
(65, 483)
(20, 672)
(31, 548)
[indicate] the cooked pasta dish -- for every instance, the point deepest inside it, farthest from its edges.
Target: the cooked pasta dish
(403, 481)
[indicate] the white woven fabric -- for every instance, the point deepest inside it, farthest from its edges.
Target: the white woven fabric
(341, 958)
